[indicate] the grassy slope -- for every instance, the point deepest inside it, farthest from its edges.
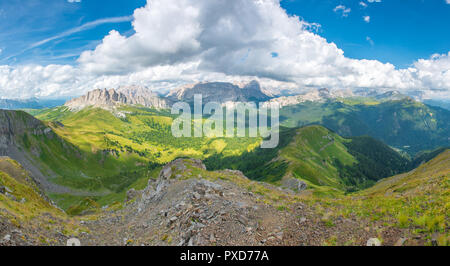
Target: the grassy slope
(418, 200)
(86, 171)
(145, 132)
(30, 209)
(312, 154)
(81, 169)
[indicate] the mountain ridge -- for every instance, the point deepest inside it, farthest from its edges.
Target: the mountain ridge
(110, 98)
(220, 92)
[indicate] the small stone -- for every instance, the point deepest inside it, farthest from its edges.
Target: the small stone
(11, 196)
(242, 220)
(15, 231)
(400, 242)
(434, 240)
(131, 194)
(73, 242)
(280, 236)
(166, 172)
(373, 242)
(6, 238)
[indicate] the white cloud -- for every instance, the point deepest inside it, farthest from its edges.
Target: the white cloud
(363, 4)
(370, 40)
(367, 18)
(184, 41)
(74, 1)
(447, 1)
(86, 26)
(343, 10)
(434, 73)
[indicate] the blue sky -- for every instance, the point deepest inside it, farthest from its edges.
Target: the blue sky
(27, 22)
(399, 31)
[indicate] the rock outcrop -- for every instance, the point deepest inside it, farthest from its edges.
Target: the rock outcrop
(315, 95)
(108, 99)
(220, 92)
(14, 124)
(295, 184)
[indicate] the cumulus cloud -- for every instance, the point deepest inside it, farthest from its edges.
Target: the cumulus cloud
(434, 73)
(185, 41)
(343, 10)
(33, 80)
(74, 1)
(366, 19)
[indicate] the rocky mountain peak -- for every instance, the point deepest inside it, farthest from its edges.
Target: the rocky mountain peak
(110, 98)
(221, 92)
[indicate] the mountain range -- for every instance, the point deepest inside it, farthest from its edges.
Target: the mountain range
(220, 92)
(105, 98)
(11, 104)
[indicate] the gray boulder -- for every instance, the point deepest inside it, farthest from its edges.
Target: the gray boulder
(295, 184)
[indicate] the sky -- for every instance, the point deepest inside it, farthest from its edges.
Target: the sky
(60, 48)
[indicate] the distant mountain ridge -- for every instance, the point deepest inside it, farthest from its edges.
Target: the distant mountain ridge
(33, 103)
(406, 124)
(220, 92)
(439, 103)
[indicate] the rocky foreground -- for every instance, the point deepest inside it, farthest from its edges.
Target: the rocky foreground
(188, 205)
